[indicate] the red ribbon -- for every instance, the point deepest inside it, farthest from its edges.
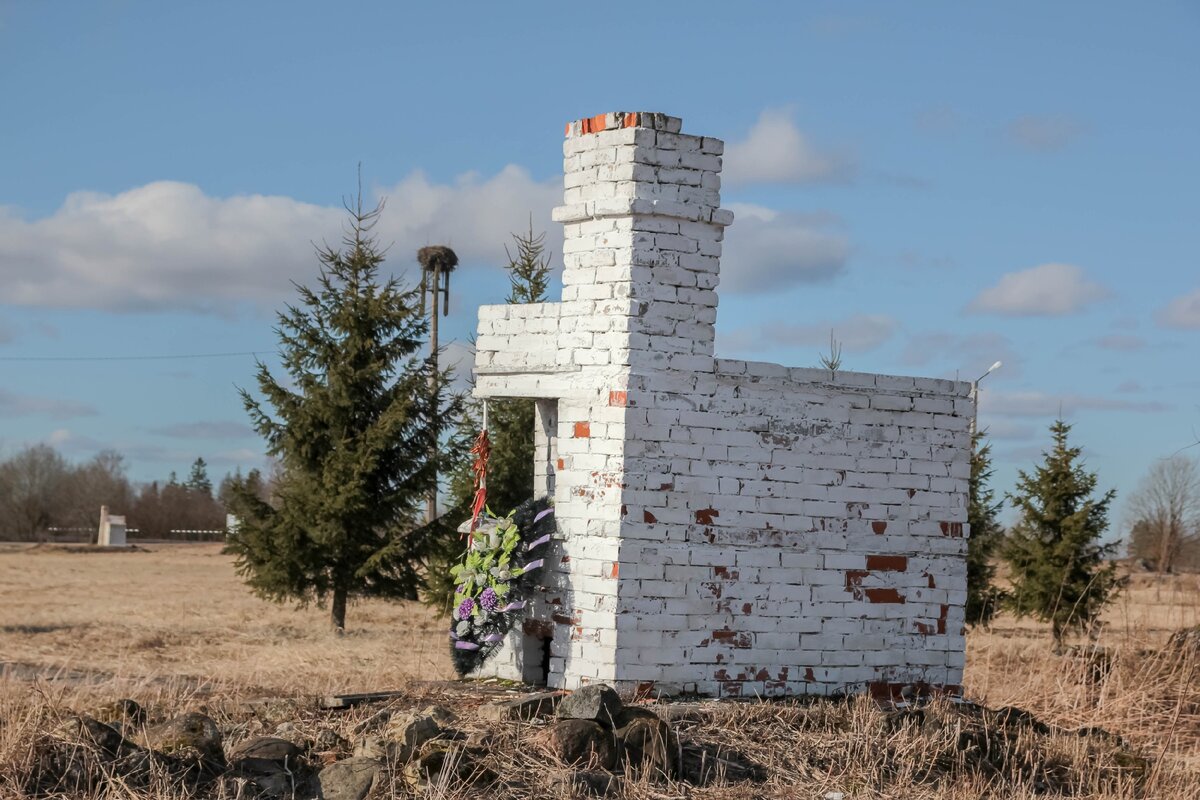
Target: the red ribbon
(482, 450)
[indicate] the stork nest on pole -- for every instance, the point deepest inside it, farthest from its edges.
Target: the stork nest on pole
(437, 257)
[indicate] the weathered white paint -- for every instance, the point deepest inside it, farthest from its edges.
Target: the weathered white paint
(728, 527)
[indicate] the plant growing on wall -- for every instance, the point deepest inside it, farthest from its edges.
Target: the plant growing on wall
(1060, 569)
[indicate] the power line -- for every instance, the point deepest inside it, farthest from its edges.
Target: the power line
(139, 358)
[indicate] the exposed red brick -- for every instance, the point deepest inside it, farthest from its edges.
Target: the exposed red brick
(883, 596)
(731, 689)
(888, 563)
(747, 608)
(714, 588)
(616, 398)
(952, 529)
(724, 636)
(854, 578)
(624, 509)
(879, 526)
(630, 120)
(599, 122)
(583, 430)
(911, 493)
(932, 585)
(567, 132)
(923, 628)
(808, 675)
(648, 518)
(722, 674)
(666, 487)
(725, 573)
(705, 516)
(562, 619)
(615, 571)
(762, 675)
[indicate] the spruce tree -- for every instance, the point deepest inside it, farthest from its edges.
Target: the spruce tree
(510, 423)
(198, 481)
(352, 431)
(983, 597)
(1060, 571)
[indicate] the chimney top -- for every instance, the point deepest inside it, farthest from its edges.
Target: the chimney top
(624, 119)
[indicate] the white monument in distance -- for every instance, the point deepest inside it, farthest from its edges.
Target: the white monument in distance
(112, 529)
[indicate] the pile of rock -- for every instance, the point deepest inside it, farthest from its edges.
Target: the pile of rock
(594, 739)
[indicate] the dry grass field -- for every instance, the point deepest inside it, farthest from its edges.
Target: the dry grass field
(172, 627)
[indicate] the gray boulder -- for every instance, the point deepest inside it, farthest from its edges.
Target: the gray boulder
(351, 779)
(596, 702)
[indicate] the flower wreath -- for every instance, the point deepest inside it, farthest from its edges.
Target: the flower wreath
(494, 580)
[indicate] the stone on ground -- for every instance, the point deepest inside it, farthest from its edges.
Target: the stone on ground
(583, 741)
(647, 745)
(526, 707)
(351, 779)
(190, 737)
(596, 702)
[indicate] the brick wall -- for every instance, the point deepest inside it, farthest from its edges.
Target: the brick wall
(729, 527)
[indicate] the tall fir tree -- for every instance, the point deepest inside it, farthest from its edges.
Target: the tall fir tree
(510, 423)
(352, 431)
(198, 480)
(1060, 569)
(983, 596)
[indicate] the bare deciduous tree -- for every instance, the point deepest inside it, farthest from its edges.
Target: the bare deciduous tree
(30, 485)
(1166, 512)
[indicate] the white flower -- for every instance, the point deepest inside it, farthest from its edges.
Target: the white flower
(463, 628)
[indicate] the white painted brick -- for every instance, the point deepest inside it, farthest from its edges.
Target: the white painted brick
(763, 484)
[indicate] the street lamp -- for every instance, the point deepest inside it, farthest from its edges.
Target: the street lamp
(975, 395)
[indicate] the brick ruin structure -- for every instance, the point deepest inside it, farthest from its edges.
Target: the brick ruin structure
(725, 527)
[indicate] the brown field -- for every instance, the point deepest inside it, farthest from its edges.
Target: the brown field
(173, 627)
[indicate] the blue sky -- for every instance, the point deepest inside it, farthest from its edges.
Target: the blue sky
(943, 184)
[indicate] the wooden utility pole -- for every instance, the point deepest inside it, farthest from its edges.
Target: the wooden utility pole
(437, 262)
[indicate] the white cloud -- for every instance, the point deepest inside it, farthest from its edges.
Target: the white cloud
(1041, 404)
(1182, 312)
(1045, 290)
(767, 250)
(23, 405)
(167, 245)
(1044, 132)
(776, 151)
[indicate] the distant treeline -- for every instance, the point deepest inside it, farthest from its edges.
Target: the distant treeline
(40, 490)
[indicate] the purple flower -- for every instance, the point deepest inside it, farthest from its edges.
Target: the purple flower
(489, 600)
(465, 608)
